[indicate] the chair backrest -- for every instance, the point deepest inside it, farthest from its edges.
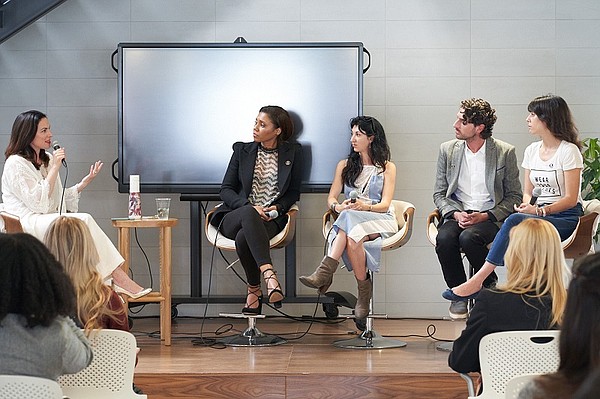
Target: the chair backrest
(10, 223)
(504, 355)
(110, 375)
(282, 239)
(22, 386)
(405, 212)
(515, 384)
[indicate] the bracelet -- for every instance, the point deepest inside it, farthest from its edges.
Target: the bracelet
(332, 206)
(537, 211)
(543, 211)
(370, 208)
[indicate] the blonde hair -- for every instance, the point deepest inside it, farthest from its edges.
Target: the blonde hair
(535, 263)
(70, 241)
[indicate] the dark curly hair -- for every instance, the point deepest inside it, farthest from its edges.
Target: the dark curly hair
(379, 150)
(23, 132)
(32, 282)
(479, 112)
(555, 113)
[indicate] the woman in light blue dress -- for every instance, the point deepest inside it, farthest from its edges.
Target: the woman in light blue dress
(366, 215)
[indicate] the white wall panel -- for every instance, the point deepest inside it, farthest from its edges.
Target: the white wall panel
(428, 55)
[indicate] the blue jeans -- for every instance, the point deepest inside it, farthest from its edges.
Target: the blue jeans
(565, 222)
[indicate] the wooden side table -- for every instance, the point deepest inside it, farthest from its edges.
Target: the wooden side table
(164, 295)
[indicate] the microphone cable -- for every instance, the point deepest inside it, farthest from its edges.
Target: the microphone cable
(64, 187)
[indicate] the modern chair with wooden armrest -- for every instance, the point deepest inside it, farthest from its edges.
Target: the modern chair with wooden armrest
(369, 339)
(252, 336)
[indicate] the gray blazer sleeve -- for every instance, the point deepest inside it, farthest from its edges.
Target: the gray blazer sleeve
(445, 169)
(507, 185)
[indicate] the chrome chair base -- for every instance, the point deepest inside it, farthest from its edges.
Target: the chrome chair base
(369, 339)
(251, 336)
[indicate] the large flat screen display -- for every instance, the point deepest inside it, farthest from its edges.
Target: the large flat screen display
(182, 106)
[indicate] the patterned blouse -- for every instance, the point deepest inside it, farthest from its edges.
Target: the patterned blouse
(264, 182)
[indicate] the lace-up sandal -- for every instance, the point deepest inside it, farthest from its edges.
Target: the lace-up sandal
(274, 291)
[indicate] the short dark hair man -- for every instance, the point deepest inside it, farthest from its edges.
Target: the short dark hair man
(477, 184)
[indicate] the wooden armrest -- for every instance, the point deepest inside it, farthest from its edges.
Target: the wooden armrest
(328, 218)
(12, 223)
(434, 217)
(433, 221)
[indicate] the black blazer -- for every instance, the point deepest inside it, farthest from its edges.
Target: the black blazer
(496, 311)
(237, 182)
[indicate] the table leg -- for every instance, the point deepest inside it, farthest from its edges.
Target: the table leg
(165, 283)
(124, 247)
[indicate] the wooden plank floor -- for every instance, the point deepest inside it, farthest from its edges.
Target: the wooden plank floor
(307, 366)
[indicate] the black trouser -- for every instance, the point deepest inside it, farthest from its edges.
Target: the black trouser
(251, 235)
(473, 242)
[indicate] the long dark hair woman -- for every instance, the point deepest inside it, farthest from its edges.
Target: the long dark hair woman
(366, 215)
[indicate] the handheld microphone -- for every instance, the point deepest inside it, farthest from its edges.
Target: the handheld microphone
(534, 195)
(272, 213)
(56, 146)
(353, 196)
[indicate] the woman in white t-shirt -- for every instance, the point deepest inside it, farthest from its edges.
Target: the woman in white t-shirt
(553, 168)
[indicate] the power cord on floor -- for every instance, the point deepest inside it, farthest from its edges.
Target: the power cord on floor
(202, 340)
(213, 342)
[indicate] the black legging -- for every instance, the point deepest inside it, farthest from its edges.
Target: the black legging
(251, 235)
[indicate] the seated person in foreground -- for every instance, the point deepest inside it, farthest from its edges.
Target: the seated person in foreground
(98, 306)
(37, 336)
(579, 344)
(533, 297)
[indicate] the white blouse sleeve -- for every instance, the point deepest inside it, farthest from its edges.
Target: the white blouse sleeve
(27, 184)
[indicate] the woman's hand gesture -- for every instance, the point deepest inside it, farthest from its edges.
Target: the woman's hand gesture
(95, 168)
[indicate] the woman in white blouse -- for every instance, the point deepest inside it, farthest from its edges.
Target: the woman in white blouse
(32, 190)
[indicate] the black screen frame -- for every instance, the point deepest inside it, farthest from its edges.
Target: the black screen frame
(212, 188)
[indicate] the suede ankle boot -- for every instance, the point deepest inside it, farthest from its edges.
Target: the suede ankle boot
(322, 278)
(365, 291)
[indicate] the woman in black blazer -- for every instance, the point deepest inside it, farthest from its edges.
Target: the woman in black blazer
(260, 185)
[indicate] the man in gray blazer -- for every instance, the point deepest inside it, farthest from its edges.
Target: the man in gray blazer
(477, 184)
